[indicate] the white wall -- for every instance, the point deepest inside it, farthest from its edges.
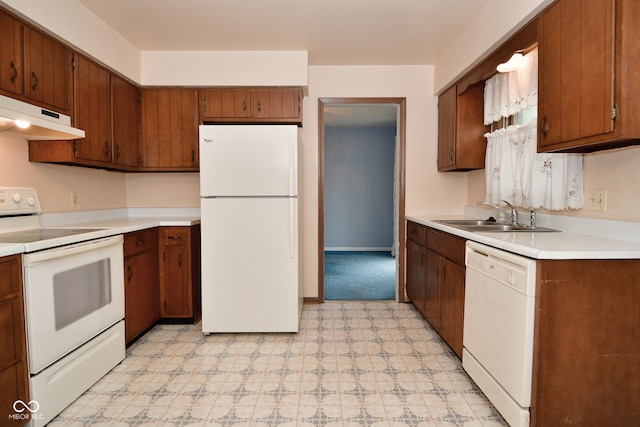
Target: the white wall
(497, 22)
(98, 189)
(79, 27)
(427, 191)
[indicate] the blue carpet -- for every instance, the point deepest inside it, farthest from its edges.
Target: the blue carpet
(359, 276)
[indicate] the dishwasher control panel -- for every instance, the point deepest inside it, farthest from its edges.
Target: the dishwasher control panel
(509, 269)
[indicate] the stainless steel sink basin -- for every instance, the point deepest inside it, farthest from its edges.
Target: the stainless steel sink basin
(484, 226)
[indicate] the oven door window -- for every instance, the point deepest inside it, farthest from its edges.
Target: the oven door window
(81, 291)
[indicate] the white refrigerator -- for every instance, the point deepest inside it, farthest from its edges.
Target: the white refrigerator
(251, 275)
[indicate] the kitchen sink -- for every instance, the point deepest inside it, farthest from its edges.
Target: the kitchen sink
(486, 226)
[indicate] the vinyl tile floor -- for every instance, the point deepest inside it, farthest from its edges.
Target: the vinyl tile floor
(366, 363)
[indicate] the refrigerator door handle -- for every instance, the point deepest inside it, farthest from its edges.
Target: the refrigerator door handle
(292, 227)
(292, 167)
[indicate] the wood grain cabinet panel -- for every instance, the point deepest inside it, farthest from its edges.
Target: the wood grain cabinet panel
(47, 71)
(126, 116)
(14, 376)
(586, 361)
(461, 142)
(169, 130)
(142, 290)
(589, 76)
(180, 273)
(11, 69)
(435, 280)
(252, 105)
(225, 103)
(34, 67)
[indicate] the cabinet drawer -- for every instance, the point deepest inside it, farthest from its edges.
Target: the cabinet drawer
(447, 245)
(174, 236)
(140, 241)
(416, 232)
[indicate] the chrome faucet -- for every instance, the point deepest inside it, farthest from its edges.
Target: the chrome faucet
(513, 215)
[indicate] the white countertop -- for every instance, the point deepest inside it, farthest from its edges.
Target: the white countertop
(113, 222)
(540, 245)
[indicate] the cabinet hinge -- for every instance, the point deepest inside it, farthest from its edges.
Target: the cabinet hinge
(614, 112)
(75, 148)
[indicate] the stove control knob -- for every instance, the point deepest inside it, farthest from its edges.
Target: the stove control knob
(16, 197)
(31, 201)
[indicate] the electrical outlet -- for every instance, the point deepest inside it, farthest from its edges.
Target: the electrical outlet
(597, 200)
(75, 198)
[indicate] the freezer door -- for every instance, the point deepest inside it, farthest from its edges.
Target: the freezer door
(250, 265)
(248, 160)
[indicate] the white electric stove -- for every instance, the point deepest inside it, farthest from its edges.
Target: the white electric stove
(73, 281)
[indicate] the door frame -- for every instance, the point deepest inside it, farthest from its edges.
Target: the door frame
(401, 141)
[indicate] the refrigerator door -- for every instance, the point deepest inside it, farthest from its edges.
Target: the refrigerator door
(248, 160)
(250, 265)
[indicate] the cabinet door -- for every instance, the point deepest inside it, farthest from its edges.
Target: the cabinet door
(142, 293)
(577, 54)
(175, 269)
(14, 378)
(276, 103)
(169, 129)
(10, 54)
(447, 129)
(93, 111)
(415, 274)
(47, 71)
(452, 304)
(226, 103)
(432, 288)
(126, 121)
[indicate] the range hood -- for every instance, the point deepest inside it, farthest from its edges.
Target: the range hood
(40, 123)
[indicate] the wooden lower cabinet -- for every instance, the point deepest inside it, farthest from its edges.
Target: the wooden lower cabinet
(14, 375)
(586, 360)
(180, 273)
(435, 280)
(142, 293)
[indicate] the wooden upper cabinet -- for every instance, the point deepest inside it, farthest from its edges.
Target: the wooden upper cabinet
(169, 129)
(588, 75)
(461, 142)
(284, 104)
(221, 103)
(125, 100)
(10, 55)
(252, 105)
(34, 67)
(93, 111)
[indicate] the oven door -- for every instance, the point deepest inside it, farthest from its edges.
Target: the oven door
(72, 293)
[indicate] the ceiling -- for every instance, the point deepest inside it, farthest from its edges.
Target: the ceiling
(333, 32)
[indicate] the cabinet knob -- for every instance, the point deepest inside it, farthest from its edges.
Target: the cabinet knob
(175, 237)
(140, 242)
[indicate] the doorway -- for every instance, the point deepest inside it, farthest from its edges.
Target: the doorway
(367, 112)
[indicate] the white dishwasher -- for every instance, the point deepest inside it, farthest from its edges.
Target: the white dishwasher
(498, 328)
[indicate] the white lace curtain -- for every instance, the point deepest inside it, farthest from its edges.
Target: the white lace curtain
(514, 171)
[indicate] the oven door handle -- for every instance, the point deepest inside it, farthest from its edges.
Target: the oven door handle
(64, 251)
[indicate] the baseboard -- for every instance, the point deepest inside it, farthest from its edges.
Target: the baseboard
(358, 249)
